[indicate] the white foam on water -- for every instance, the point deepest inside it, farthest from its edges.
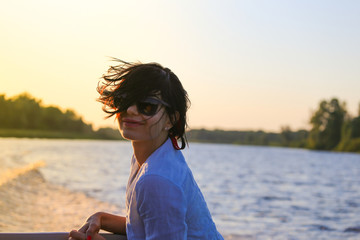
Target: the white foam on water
(10, 174)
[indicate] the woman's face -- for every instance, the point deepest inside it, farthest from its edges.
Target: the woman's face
(136, 126)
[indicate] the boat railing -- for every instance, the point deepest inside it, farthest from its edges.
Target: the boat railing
(51, 236)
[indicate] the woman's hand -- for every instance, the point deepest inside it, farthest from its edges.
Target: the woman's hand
(100, 220)
(90, 230)
(76, 235)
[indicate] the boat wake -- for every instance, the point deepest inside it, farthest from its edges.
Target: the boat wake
(11, 174)
(28, 203)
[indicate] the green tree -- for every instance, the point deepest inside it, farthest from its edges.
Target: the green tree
(286, 136)
(4, 112)
(26, 111)
(108, 133)
(350, 138)
(355, 126)
(327, 123)
(52, 118)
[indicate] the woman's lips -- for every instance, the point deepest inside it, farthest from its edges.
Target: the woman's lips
(131, 123)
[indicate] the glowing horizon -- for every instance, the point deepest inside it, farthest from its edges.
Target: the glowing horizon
(246, 65)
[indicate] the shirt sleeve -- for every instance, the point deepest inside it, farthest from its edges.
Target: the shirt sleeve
(162, 208)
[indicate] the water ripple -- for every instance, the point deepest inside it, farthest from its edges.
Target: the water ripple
(252, 192)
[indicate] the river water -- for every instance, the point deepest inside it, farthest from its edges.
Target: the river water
(252, 192)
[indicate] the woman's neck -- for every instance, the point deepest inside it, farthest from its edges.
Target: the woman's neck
(143, 149)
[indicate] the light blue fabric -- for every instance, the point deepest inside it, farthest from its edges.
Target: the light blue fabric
(163, 201)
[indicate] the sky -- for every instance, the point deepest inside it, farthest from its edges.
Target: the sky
(246, 65)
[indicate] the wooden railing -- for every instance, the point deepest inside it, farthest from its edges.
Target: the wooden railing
(51, 236)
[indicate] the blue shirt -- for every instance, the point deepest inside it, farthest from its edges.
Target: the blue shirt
(163, 200)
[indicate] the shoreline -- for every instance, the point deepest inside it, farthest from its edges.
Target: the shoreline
(49, 134)
(69, 136)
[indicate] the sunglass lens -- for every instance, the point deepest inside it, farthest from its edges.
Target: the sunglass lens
(147, 108)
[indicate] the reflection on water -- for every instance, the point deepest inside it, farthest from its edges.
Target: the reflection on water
(280, 193)
(252, 192)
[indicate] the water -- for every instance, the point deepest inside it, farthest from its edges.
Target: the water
(252, 192)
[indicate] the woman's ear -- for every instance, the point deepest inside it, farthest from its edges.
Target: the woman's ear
(172, 120)
(175, 118)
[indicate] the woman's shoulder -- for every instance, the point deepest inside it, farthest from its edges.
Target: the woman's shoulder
(172, 167)
(155, 180)
(151, 187)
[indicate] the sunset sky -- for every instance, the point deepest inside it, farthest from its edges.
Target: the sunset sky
(247, 65)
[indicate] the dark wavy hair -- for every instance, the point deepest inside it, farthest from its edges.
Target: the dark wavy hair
(137, 81)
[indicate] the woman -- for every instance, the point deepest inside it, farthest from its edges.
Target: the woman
(163, 200)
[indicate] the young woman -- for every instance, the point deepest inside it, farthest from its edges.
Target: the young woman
(163, 200)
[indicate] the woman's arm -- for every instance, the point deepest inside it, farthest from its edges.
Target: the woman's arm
(162, 208)
(100, 220)
(112, 223)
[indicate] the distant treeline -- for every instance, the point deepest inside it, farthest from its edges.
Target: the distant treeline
(23, 115)
(332, 128)
(285, 138)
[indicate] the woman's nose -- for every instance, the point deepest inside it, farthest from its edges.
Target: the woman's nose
(132, 110)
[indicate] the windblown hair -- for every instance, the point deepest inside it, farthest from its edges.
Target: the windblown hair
(138, 81)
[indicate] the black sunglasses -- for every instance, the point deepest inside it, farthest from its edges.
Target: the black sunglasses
(148, 107)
